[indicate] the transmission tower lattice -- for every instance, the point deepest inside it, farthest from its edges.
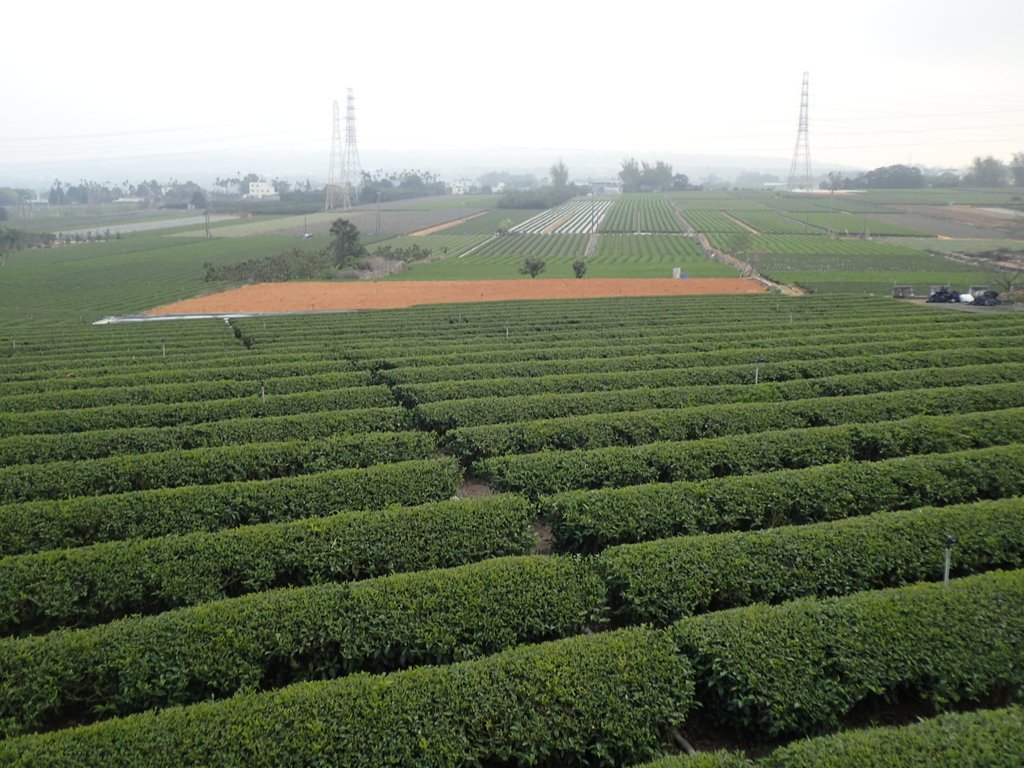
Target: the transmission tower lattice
(332, 196)
(345, 173)
(802, 148)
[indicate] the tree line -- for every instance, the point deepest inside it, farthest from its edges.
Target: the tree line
(644, 177)
(984, 172)
(345, 252)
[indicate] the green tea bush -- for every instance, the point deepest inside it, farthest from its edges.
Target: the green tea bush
(92, 584)
(601, 698)
(802, 666)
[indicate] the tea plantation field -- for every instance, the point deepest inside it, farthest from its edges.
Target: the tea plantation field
(522, 534)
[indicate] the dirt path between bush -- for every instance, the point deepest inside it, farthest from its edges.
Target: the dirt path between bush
(446, 225)
(317, 297)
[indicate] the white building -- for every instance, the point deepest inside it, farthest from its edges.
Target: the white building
(261, 190)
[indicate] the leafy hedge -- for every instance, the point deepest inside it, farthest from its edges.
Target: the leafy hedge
(235, 368)
(165, 415)
(451, 414)
(795, 440)
(592, 520)
(37, 525)
(982, 739)
(88, 585)
(181, 392)
(985, 739)
(204, 466)
(730, 356)
(846, 375)
(661, 581)
(599, 698)
(802, 666)
(642, 424)
(274, 638)
(96, 444)
(598, 342)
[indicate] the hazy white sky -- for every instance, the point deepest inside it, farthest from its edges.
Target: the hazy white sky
(928, 81)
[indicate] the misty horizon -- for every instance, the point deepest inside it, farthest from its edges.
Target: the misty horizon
(199, 92)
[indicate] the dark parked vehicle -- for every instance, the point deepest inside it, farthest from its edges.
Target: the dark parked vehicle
(944, 296)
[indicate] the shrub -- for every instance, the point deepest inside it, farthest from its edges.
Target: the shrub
(600, 698)
(801, 667)
(591, 520)
(278, 637)
(662, 581)
(38, 525)
(92, 584)
(985, 739)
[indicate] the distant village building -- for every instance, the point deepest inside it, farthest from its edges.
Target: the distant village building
(463, 187)
(261, 190)
(605, 187)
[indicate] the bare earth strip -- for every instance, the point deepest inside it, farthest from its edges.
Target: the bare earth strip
(307, 297)
(446, 225)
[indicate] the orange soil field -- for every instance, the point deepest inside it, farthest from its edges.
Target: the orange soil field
(308, 297)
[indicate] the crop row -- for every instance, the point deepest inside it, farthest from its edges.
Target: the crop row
(122, 341)
(77, 446)
(434, 616)
(593, 520)
(688, 444)
(38, 525)
(754, 339)
(562, 320)
(854, 224)
(573, 217)
(452, 414)
(650, 248)
(251, 368)
(642, 213)
(68, 361)
(712, 221)
(204, 466)
(92, 584)
(772, 223)
(606, 697)
(853, 372)
(734, 356)
(181, 392)
(991, 738)
(584, 217)
(658, 582)
(172, 414)
(814, 245)
(95, 366)
(522, 246)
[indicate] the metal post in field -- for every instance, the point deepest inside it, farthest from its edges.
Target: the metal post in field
(950, 541)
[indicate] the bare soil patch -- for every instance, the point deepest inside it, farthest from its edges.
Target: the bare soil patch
(545, 537)
(446, 225)
(318, 297)
(954, 221)
(474, 489)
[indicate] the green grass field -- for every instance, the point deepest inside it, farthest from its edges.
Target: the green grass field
(61, 218)
(82, 283)
(85, 282)
(614, 256)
